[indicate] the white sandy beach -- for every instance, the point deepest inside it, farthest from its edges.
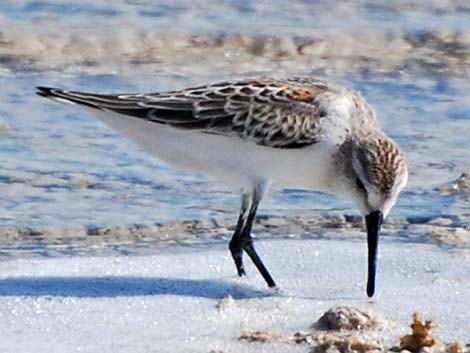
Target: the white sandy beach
(167, 302)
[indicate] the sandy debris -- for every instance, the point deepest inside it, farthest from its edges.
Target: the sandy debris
(276, 337)
(449, 236)
(342, 318)
(421, 340)
(456, 347)
(460, 186)
(226, 303)
(352, 330)
(264, 336)
(331, 343)
(420, 337)
(346, 326)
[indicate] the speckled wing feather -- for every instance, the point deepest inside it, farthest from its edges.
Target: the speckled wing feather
(275, 113)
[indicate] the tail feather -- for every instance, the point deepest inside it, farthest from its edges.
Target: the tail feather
(162, 109)
(63, 96)
(44, 91)
(128, 105)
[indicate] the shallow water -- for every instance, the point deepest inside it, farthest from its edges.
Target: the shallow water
(235, 16)
(59, 167)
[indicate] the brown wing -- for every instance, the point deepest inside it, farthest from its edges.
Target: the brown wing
(275, 113)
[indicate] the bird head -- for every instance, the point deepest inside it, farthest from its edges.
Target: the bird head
(376, 175)
(379, 174)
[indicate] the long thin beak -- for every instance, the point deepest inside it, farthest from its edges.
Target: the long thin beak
(373, 224)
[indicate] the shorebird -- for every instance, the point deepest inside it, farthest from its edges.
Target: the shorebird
(256, 134)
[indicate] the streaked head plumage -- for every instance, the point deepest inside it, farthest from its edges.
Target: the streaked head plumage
(381, 172)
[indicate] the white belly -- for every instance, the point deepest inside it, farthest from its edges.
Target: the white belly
(234, 161)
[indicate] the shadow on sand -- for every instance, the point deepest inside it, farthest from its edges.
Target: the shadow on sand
(116, 286)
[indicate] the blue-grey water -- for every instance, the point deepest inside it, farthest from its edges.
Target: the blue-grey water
(59, 167)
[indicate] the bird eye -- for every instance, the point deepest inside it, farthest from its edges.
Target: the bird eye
(360, 185)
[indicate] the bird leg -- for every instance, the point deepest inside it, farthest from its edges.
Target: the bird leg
(242, 237)
(235, 245)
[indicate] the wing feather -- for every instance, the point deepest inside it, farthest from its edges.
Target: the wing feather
(275, 113)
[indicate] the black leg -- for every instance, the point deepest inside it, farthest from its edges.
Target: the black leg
(247, 240)
(235, 245)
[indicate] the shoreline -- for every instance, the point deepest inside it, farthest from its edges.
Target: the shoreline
(446, 232)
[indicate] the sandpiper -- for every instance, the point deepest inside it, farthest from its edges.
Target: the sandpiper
(256, 134)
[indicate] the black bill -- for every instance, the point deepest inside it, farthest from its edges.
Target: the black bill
(373, 224)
